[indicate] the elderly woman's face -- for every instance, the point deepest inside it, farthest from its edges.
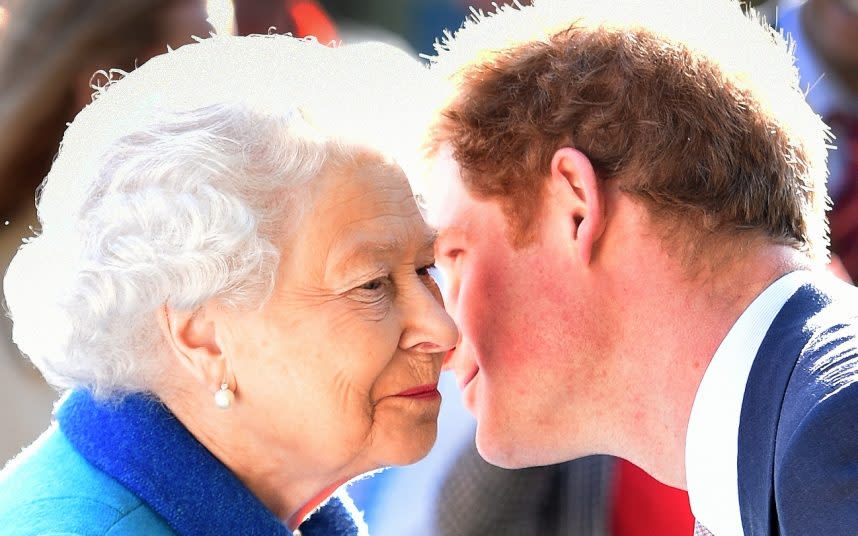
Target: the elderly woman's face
(341, 364)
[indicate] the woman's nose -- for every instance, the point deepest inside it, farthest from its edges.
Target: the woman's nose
(429, 328)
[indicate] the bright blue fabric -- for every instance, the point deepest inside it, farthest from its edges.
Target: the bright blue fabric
(52, 489)
(132, 468)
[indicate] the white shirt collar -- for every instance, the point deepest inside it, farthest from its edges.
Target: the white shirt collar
(713, 428)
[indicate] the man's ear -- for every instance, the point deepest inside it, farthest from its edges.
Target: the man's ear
(192, 337)
(578, 191)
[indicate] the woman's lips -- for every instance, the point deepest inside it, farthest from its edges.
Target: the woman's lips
(430, 390)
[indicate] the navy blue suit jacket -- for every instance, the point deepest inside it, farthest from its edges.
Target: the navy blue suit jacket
(798, 433)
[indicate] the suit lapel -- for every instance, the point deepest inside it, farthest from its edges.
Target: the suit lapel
(761, 408)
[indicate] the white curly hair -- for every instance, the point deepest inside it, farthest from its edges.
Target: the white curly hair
(174, 185)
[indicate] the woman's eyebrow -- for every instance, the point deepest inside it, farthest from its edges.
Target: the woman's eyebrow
(362, 249)
(429, 239)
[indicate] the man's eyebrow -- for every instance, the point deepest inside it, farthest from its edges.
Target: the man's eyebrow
(452, 230)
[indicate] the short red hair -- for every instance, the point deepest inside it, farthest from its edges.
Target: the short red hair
(700, 140)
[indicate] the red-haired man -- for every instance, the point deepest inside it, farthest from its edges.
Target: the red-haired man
(631, 197)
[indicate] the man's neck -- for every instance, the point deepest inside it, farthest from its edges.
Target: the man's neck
(685, 321)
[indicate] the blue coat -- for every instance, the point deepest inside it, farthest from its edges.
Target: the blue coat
(798, 433)
(132, 469)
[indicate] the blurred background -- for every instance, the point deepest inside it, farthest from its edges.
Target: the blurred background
(53, 51)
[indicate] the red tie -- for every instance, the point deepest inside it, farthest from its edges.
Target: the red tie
(843, 217)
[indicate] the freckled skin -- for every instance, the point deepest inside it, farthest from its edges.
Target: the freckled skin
(526, 328)
(317, 366)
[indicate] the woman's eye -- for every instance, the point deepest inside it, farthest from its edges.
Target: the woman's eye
(429, 269)
(375, 284)
(376, 295)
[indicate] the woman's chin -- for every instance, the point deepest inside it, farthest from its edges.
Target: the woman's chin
(412, 447)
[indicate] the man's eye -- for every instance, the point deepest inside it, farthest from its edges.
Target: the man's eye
(451, 254)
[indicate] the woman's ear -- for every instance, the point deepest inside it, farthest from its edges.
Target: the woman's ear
(192, 336)
(576, 187)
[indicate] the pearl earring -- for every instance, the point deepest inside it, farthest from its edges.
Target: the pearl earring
(224, 397)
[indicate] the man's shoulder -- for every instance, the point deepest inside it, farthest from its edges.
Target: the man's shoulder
(816, 451)
(825, 372)
(812, 342)
(828, 362)
(51, 489)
